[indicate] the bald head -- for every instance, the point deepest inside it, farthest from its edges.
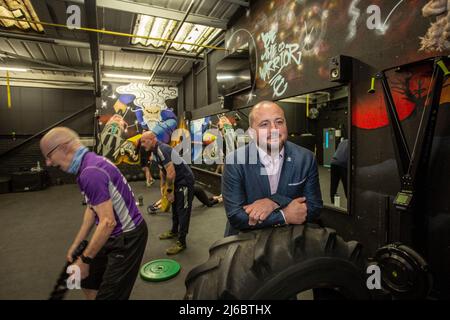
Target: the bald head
(58, 136)
(263, 107)
(59, 146)
(148, 135)
(268, 125)
(148, 140)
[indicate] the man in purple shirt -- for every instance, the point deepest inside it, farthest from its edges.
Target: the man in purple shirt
(110, 263)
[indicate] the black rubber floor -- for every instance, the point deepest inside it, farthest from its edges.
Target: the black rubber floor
(38, 227)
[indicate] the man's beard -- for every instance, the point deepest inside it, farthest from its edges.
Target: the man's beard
(150, 122)
(275, 145)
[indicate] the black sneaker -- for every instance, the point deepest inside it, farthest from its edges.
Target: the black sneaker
(151, 209)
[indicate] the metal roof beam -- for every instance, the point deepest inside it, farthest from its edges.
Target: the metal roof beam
(103, 46)
(186, 15)
(239, 2)
(37, 61)
(44, 15)
(47, 66)
(90, 8)
(150, 10)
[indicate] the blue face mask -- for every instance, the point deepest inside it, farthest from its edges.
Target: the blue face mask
(76, 161)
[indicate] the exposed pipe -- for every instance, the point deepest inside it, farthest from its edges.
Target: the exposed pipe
(194, 93)
(207, 80)
(170, 43)
(45, 63)
(90, 7)
(112, 33)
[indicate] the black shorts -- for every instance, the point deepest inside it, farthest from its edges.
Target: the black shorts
(114, 269)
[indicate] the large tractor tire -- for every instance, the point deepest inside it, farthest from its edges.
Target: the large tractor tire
(280, 263)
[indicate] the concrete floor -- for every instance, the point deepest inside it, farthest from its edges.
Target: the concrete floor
(38, 227)
(324, 180)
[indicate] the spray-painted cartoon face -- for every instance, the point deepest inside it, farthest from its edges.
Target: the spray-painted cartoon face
(152, 115)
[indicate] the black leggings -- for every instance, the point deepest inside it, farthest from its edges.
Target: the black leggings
(338, 173)
(201, 195)
(181, 211)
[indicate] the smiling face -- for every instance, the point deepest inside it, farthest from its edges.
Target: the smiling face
(269, 124)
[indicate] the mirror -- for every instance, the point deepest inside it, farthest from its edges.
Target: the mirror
(206, 149)
(319, 121)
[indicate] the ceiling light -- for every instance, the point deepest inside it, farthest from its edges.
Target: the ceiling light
(22, 10)
(161, 28)
(13, 69)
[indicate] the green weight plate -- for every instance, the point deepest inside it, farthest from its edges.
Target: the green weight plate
(160, 270)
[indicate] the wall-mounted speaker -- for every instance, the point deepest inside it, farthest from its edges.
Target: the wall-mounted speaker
(340, 68)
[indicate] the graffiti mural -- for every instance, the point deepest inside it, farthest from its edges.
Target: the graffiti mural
(291, 41)
(126, 111)
(285, 33)
(409, 90)
(437, 37)
(276, 57)
(213, 137)
(399, 35)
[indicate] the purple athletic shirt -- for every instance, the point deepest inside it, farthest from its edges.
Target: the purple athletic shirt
(100, 180)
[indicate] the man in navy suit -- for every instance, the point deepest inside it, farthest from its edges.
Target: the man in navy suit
(270, 182)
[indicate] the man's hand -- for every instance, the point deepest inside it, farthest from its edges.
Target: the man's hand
(259, 210)
(71, 250)
(295, 212)
(170, 196)
(84, 268)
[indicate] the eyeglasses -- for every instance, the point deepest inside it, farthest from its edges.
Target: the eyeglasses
(57, 146)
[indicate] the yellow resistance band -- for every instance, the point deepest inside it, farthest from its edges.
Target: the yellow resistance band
(307, 105)
(8, 89)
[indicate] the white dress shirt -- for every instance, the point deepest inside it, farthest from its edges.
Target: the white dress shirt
(273, 166)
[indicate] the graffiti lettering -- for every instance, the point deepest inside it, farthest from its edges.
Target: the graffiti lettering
(278, 84)
(354, 13)
(275, 58)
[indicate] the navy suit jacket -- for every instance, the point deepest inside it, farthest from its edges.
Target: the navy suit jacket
(243, 183)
